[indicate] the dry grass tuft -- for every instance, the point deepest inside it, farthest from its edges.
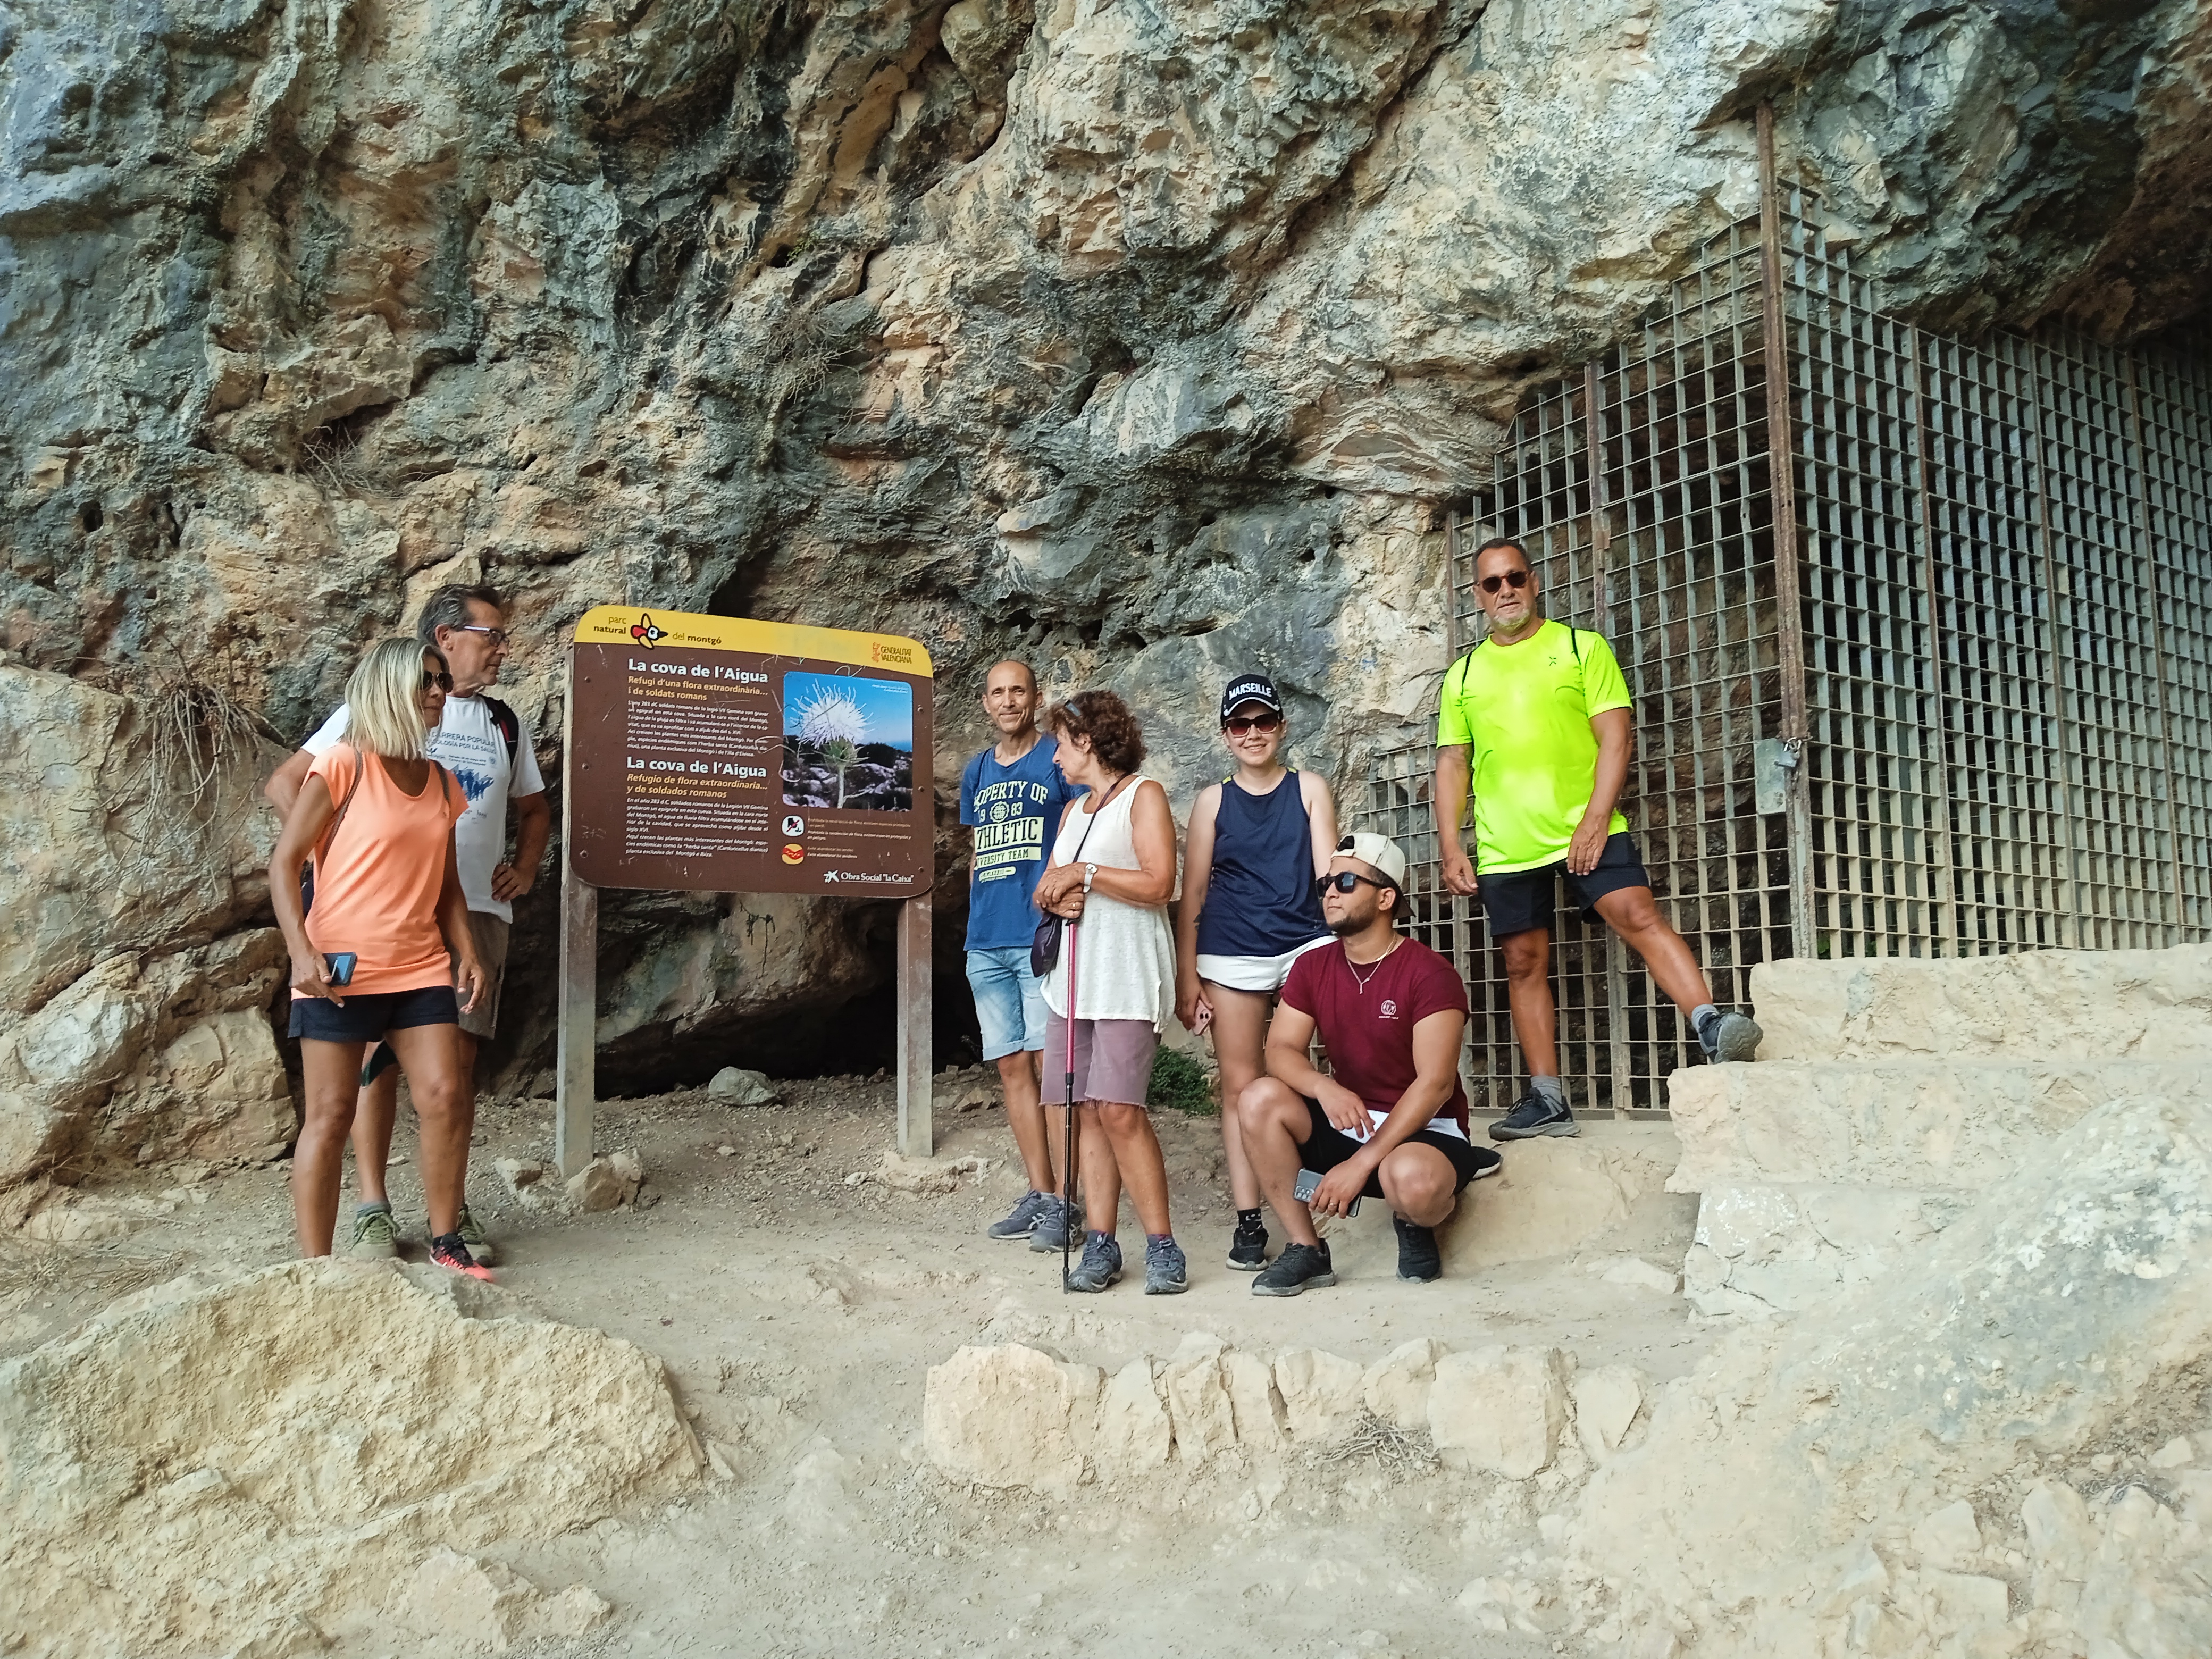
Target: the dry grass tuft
(1398, 1453)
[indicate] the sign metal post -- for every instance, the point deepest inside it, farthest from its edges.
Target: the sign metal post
(712, 753)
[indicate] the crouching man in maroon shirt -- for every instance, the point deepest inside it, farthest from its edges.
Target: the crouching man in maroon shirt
(1388, 1120)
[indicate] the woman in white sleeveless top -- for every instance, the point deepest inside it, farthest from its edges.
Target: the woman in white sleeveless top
(1113, 871)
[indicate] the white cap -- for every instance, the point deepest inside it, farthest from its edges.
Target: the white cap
(1378, 853)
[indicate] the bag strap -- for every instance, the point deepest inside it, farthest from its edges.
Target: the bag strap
(1085, 839)
(331, 836)
(509, 724)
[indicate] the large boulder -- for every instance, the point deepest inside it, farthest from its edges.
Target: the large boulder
(214, 1459)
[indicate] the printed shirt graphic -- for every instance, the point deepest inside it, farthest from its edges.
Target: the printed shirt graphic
(1369, 1033)
(1524, 711)
(468, 744)
(1014, 810)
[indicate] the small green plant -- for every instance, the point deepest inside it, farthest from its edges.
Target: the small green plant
(1180, 1081)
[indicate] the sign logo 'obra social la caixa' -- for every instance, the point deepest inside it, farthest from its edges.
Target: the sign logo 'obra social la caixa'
(700, 741)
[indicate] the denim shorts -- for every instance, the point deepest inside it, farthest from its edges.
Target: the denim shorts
(1008, 1005)
(368, 1015)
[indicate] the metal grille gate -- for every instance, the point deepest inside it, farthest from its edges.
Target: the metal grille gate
(2001, 672)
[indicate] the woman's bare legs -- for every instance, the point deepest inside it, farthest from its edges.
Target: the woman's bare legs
(1240, 1036)
(1137, 1158)
(430, 1055)
(333, 1079)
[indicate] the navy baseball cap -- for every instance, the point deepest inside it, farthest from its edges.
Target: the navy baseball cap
(1249, 688)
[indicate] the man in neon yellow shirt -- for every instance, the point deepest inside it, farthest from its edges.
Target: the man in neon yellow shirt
(1537, 716)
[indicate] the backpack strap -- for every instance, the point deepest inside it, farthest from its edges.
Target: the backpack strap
(1460, 668)
(331, 834)
(444, 783)
(1575, 643)
(508, 722)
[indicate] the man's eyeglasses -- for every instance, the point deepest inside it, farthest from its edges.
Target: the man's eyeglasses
(1345, 880)
(431, 676)
(1514, 579)
(496, 637)
(1238, 726)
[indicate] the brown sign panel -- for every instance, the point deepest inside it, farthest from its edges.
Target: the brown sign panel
(711, 754)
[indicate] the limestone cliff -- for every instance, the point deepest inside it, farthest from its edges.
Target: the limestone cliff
(1143, 337)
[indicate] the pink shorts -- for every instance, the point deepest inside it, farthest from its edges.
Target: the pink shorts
(1113, 1059)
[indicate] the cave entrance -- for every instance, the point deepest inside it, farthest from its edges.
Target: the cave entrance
(1985, 723)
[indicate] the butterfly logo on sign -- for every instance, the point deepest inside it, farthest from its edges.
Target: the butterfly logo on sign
(645, 633)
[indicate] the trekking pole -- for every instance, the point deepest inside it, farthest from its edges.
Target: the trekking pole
(1067, 1161)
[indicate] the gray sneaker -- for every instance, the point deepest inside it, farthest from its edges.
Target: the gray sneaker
(374, 1238)
(1055, 1224)
(1017, 1221)
(1730, 1036)
(1100, 1267)
(1291, 1272)
(1166, 1274)
(472, 1234)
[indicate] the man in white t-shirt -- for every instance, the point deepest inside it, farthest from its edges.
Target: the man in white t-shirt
(487, 748)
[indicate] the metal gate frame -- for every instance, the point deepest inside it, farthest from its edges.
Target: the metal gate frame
(1986, 724)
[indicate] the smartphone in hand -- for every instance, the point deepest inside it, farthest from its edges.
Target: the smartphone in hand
(1310, 1183)
(339, 968)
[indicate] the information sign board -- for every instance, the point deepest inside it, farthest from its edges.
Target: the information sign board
(714, 754)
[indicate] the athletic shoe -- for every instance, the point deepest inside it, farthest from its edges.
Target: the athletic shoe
(1291, 1272)
(1248, 1249)
(1419, 1258)
(1166, 1273)
(1054, 1225)
(472, 1234)
(374, 1236)
(1486, 1163)
(1020, 1219)
(449, 1252)
(1100, 1267)
(1730, 1036)
(1533, 1115)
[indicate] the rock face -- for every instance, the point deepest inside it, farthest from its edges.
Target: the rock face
(1897, 1092)
(210, 1462)
(1144, 342)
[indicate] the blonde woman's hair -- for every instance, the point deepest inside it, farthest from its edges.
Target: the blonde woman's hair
(384, 713)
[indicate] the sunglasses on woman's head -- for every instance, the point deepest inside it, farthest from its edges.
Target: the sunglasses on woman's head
(1238, 726)
(1345, 880)
(1503, 579)
(431, 676)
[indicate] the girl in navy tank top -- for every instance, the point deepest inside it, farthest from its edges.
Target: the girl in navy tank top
(1258, 842)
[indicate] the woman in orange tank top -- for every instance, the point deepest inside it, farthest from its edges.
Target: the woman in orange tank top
(385, 945)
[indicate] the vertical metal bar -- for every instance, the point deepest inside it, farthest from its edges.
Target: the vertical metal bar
(2139, 492)
(916, 1136)
(1782, 491)
(1600, 521)
(576, 1008)
(1938, 797)
(1451, 586)
(2068, 920)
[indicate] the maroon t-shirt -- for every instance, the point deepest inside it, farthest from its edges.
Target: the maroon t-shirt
(1369, 1032)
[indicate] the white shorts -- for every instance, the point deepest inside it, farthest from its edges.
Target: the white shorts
(1261, 974)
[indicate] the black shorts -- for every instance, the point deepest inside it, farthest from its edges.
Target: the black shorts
(368, 1015)
(1521, 899)
(1326, 1146)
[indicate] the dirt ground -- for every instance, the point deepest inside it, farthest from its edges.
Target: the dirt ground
(798, 1302)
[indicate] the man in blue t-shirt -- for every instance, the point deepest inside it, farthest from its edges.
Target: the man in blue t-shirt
(1012, 796)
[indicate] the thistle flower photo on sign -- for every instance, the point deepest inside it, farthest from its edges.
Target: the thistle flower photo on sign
(848, 743)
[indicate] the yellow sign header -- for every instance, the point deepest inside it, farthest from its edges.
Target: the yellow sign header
(644, 629)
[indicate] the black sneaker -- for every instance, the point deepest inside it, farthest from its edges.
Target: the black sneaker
(1730, 1036)
(1419, 1258)
(449, 1251)
(1486, 1163)
(1100, 1267)
(1299, 1266)
(1247, 1247)
(1533, 1115)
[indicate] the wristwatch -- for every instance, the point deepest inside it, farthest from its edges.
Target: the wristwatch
(1089, 870)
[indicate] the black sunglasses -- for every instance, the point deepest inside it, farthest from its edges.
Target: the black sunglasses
(1503, 579)
(431, 676)
(1345, 880)
(1238, 726)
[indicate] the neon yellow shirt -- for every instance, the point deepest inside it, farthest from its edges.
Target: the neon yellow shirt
(1524, 711)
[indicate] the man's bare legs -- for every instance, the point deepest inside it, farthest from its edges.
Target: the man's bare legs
(1039, 1139)
(1634, 915)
